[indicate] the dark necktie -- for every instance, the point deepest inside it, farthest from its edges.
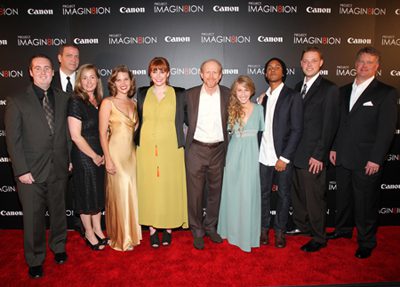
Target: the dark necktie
(48, 111)
(304, 90)
(69, 86)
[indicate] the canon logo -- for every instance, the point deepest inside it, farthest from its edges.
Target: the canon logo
(269, 39)
(132, 10)
(317, 10)
(80, 41)
(324, 72)
(5, 159)
(108, 72)
(8, 11)
(32, 11)
(218, 8)
(397, 11)
(2, 133)
(171, 39)
(395, 73)
(8, 188)
(11, 213)
(3, 102)
(362, 41)
(390, 186)
(3, 42)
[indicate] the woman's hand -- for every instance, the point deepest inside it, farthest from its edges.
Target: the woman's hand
(110, 167)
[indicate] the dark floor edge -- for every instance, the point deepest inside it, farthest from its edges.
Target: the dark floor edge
(377, 284)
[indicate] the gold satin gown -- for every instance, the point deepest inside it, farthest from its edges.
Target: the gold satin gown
(122, 223)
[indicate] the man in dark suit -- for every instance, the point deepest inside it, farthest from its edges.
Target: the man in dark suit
(64, 78)
(283, 110)
(206, 145)
(321, 116)
(368, 117)
(36, 128)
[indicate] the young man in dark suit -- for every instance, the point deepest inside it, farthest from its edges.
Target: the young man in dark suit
(283, 110)
(368, 116)
(321, 116)
(36, 127)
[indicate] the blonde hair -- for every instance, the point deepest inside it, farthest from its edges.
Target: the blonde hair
(80, 92)
(235, 108)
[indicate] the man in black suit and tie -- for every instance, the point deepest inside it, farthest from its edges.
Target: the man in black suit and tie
(68, 57)
(206, 145)
(64, 79)
(36, 128)
(283, 110)
(321, 116)
(368, 116)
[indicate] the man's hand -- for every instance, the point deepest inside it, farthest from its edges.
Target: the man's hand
(280, 165)
(315, 166)
(26, 178)
(332, 157)
(371, 168)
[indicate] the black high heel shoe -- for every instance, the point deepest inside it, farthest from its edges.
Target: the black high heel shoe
(104, 241)
(166, 238)
(154, 240)
(95, 247)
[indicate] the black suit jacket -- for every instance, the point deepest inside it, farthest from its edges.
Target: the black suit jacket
(192, 107)
(30, 144)
(321, 119)
(56, 81)
(179, 113)
(365, 133)
(287, 122)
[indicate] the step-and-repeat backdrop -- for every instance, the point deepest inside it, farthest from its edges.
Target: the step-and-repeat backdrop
(243, 35)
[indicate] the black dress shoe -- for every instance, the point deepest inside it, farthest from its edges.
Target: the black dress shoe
(295, 232)
(280, 240)
(312, 246)
(363, 252)
(215, 237)
(264, 237)
(35, 271)
(198, 243)
(103, 241)
(60, 258)
(338, 234)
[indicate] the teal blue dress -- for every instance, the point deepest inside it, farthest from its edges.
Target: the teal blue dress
(240, 210)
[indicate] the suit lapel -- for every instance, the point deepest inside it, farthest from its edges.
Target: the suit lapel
(364, 97)
(313, 89)
(34, 102)
(223, 105)
(195, 103)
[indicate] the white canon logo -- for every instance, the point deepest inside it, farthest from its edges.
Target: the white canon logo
(32, 11)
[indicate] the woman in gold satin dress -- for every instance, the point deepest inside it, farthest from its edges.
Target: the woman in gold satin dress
(117, 123)
(161, 166)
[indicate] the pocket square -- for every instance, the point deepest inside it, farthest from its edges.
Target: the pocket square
(368, 104)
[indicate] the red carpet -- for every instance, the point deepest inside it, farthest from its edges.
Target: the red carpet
(217, 265)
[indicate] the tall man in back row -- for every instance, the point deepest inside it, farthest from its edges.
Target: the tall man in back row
(368, 116)
(36, 128)
(206, 145)
(321, 116)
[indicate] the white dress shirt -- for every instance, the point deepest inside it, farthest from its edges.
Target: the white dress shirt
(64, 81)
(209, 122)
(267, 149)
(357, 90)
